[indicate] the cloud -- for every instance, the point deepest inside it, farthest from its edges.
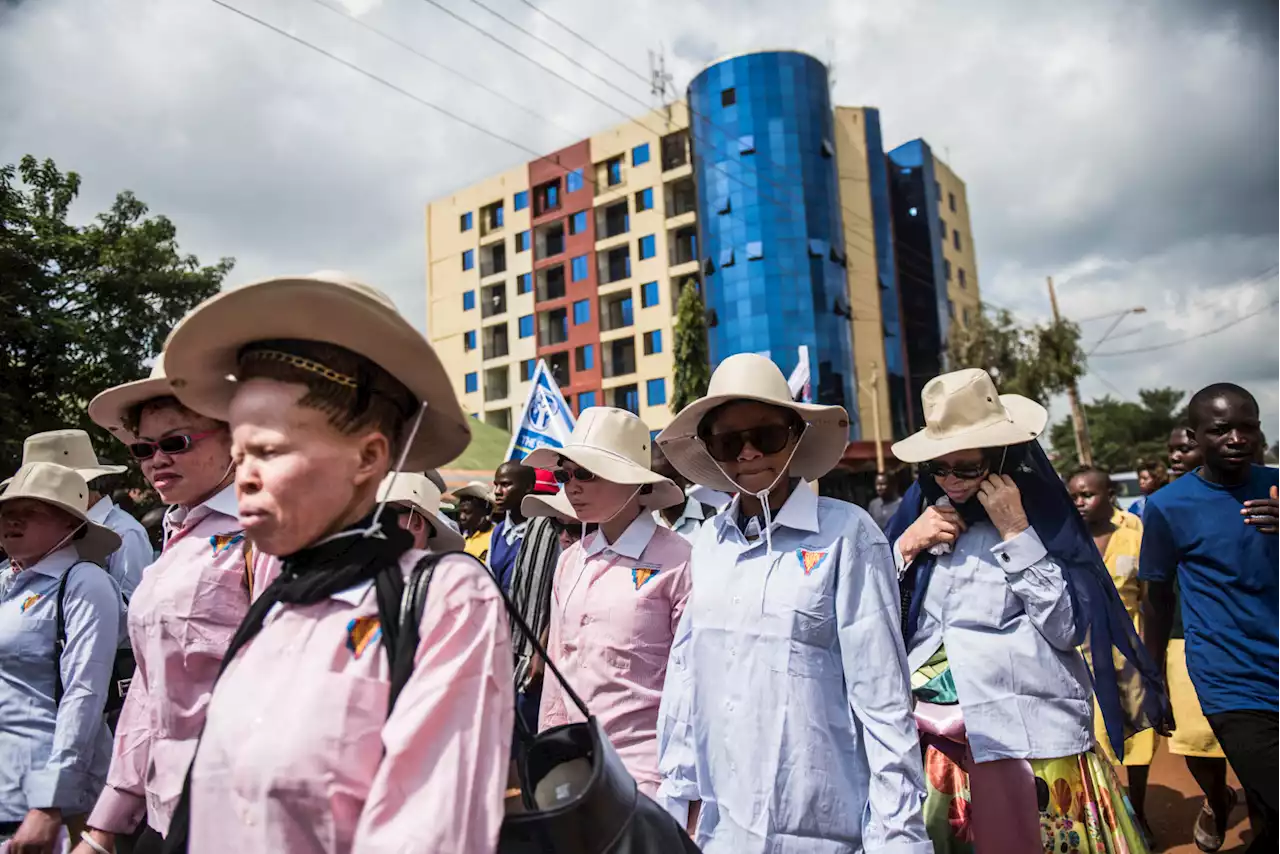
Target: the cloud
(1130, 150)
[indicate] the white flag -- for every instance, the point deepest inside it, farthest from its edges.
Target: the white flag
(799, 380)
(547, 420)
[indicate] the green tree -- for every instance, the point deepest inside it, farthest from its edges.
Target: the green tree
(81, 307)
(1033, 361)
(692, 356)
(1124, 434)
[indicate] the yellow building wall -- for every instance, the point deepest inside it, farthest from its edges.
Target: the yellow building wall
(953, 208)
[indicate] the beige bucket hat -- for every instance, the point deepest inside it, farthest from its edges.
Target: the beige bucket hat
(555, 506)
(748, 376)
(962, 410)
(202, 353)
(613, 444)
(70, 448)
(417, 491)
(109, 408)
(65, 489)
(475, 489)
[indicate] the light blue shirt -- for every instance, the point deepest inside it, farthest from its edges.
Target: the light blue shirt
(1004, 612)
(787, 707)
(135, 554)
(55, 756)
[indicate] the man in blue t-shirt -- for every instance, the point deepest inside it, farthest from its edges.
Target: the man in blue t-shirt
(1214, 532)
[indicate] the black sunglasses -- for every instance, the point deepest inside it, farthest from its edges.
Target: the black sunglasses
(938, 469)
(768, 439)
(169, 445)
(563, 476)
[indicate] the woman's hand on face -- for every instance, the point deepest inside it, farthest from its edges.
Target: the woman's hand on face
(1000, 496)
(935, 525)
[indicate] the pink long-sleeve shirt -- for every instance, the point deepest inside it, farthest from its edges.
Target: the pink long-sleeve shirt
(299, 754)
(181, 619)
(614, 612)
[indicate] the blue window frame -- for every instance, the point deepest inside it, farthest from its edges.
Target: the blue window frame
(469, 340)
(586, 400)
(644, 199)
(468, 259)
(653, 342)
(497, 217)
(573, 181)
(581, 312)
(527, 367)
(473, 382)
(466, 222)
(578, 223)
(520, 201)
(955, 238)
(726, 257)
(625, 309)
(468, 300)
(648, 294)
(640, 155)
(526, 326)
(579, 265)
(522, 241)
(747, 144)
(586, 357)
(630, 400)
(656, 391)
(524, 283)
(755, 250)
(648, 247)
(614, 169)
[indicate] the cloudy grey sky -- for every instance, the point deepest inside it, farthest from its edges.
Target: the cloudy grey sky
(1128, 149)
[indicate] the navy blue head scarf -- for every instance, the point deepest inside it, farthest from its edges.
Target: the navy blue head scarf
(1129, 688)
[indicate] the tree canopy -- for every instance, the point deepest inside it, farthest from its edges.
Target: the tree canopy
(692, 356)
(1124, 434)
(1033, 361)
(82, 307)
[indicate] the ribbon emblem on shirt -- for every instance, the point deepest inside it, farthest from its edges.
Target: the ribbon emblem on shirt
(222, 542)
(810, 560)
(641, 574)
(361, 632)
(29, 601)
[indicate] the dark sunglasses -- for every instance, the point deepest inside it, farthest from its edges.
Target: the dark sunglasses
(169, 444)
(769, 439)
(961, 472)
(563, 476)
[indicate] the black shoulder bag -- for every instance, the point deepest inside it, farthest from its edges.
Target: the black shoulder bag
(121, 670)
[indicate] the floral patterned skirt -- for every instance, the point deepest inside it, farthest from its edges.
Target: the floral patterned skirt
(1083, 809)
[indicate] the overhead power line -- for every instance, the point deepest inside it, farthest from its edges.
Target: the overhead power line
(1166, 345)
(588, 43)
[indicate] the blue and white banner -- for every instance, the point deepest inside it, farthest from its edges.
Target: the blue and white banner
(800, 382)
(547, 420)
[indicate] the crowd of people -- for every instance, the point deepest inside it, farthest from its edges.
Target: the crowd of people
(318, 658)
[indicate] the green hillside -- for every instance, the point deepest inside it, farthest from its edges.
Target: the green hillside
(487, 451)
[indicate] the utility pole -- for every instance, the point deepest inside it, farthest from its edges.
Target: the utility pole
(1084, 451)
(874, 390)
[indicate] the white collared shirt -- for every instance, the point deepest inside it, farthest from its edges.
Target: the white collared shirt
(512, 532)
(631, 544)
(690, 520)
(223, 501)
(135, 554)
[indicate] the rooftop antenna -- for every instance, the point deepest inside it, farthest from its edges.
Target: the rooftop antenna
(659, 80)
(831, 67)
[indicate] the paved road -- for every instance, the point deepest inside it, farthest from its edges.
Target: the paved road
(1173, 802)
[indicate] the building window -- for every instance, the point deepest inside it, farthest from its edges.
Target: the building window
(466, 222)
(816, 247)
(960, 275)
(468, 259)
(937, 189)
(613, 169)
(573, 181)
(469, 341)
(648, 247)
(755, 250)
(546, 197)
(728, 97)
(747, 144)
(472, 382)
(653, 342)
(586, 400)
(656, 391)
(578, 223)
(527, 367)
(640, 155)
(966, 317)
(828, 150)
(942, 227)
(648, 294)
(520, 201)
(946, 268)
(581, 312)
(585, 357)
(955, 238)
(579, 268)
(726, 257)
(526, 326)
(951, 201)
(524, 283)
(468, 300)
(627, 397)
(725, 204)
(522, 241)
(644, 200)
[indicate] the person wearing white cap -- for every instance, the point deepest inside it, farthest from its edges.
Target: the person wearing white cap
(786, 711)
(1004, 584)
(619, 593)
(60, 622)
(305, 748)
(73, 449)
(418, 499)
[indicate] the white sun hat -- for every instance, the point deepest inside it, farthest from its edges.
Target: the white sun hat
(70, 448)
(65, 489)
(614, 445)
(110, 408)
(555, 506)
(963, 411)
(419, 493)
(475, 489)
(751, 377)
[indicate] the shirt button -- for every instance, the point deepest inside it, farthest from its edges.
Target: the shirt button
(736, 600)
(1004, 556)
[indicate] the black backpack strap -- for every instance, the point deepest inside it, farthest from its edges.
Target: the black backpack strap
(400, 633)
(60, 639)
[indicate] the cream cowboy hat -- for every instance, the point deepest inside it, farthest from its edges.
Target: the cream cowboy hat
(748, 376)
(65, 489)
(555, 506)
(417, 491)
(613, 444)
(962, 411)
(70, 448)
(202, 353)
(475, 489)
(109, 408)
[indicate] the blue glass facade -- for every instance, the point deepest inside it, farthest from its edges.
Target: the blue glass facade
(769, 216)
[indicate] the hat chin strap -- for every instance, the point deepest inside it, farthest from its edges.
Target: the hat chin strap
(62, 542)
(621, 507)
(763, 495)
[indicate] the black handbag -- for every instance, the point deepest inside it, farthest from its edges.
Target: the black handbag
(121, 669)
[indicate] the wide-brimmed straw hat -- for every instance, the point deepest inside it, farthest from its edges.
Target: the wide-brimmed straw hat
(109, 408)
(750, 377)
(475, 489)
(962, 411)
(70, 448)
(203, 351)
(65, 489)
(417, 491)
(614, 445)
(556, 506)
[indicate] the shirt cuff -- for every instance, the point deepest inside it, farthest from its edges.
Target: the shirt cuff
(677, 808)
(58, 788)
(1017, 554)
(118, 811)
